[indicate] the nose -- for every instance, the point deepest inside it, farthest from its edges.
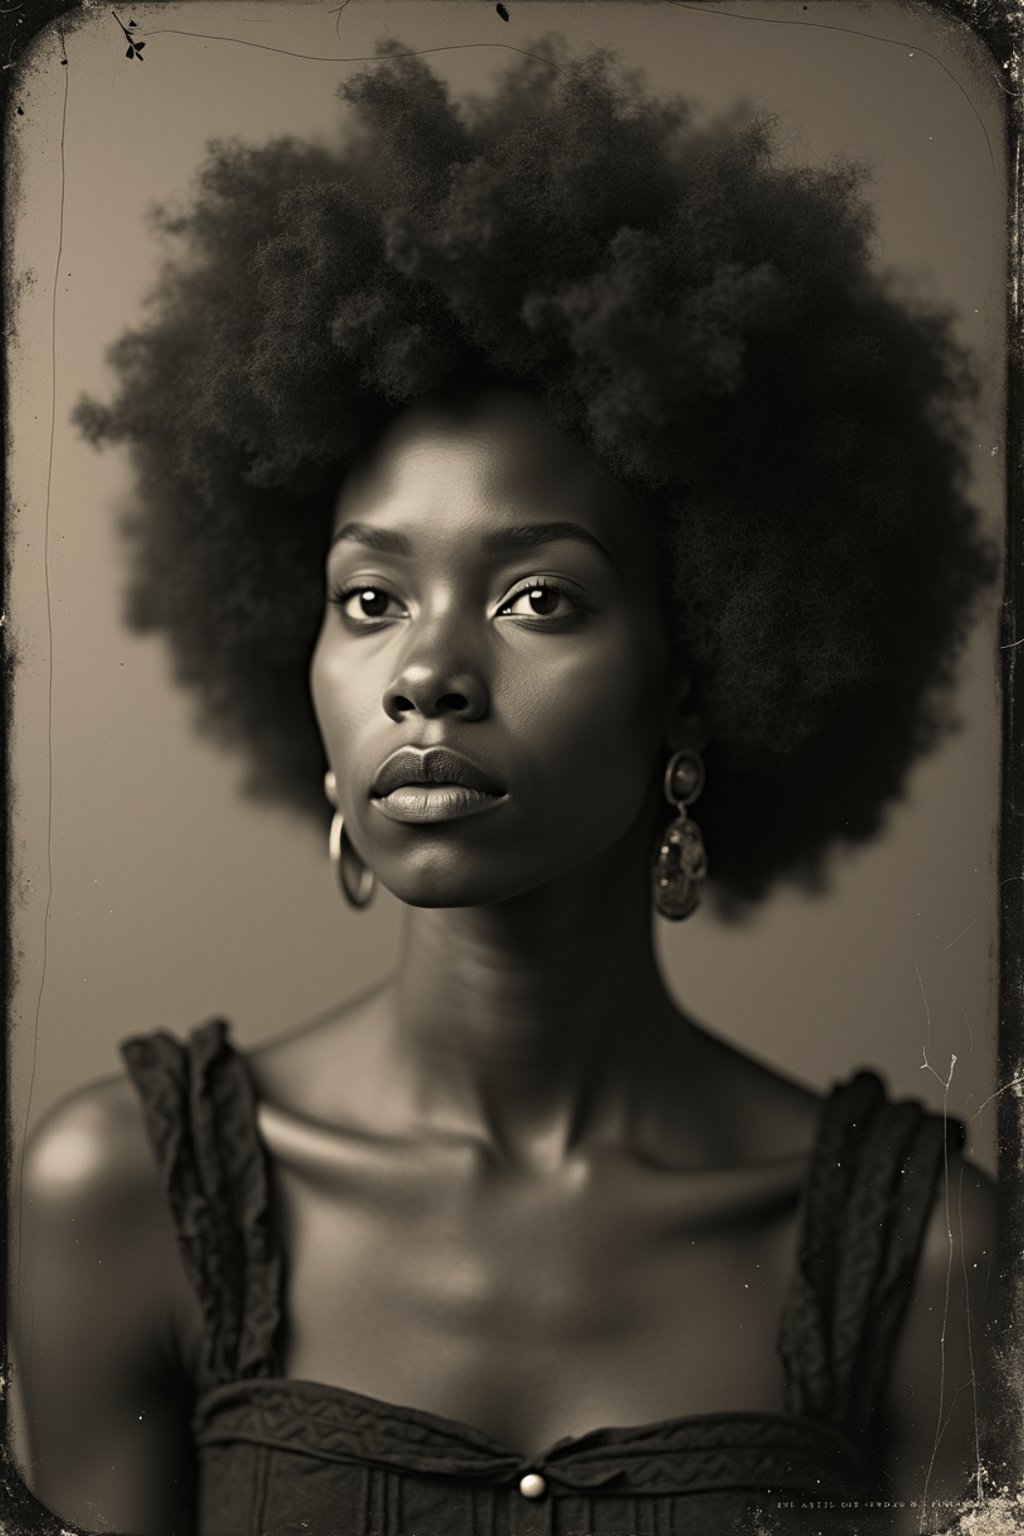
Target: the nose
(433, 680)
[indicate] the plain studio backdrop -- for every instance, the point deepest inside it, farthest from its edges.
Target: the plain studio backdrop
(146, 892)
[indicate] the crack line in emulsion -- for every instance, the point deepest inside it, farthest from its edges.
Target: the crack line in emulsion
(949, 984)
(926, 1066)
(973, 1380)
(49, 693)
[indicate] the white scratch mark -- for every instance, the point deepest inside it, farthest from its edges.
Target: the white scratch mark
(926, 1065)
(949, 986)
(927, 1010)
(1015, 1082)
(970, 1342)
(960, 935)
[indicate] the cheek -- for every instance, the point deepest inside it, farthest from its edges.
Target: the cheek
(338, 700)
(319, 691)
(592, 722)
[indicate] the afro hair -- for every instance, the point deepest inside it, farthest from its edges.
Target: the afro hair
(707, 322)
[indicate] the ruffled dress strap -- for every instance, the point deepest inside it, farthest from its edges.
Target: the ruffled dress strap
(200, 1114)
(871, 1185)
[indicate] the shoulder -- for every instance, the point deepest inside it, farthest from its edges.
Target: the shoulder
(955, 1281)
(103, 1320)
(97, 1237)
(89, 1155)
(941, 1392)
(962, 1225)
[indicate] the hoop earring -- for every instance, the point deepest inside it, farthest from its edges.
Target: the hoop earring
(357, 882)
(681, 864)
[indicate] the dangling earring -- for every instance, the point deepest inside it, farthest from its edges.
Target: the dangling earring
(680, 867)
(356, 881)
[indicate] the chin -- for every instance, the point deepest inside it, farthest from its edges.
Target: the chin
(443, 885)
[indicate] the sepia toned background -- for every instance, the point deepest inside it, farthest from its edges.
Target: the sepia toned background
(146, 893)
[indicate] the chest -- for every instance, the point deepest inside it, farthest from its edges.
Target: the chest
(535, 1309)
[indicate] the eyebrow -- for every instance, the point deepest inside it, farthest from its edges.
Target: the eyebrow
(502, 541)
(374, 538)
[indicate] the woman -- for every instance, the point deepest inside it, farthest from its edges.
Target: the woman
(579, 469)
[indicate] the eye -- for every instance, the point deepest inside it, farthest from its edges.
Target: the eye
(543, 598)
(363, 603)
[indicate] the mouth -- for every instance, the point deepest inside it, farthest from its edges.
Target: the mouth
(432, 766)
(434, 802)
(433, 784)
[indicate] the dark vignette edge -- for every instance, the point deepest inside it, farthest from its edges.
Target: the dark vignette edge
(998, 26)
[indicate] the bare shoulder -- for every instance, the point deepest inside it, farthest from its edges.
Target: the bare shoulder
(89, 1154)
(962, 1225)
(941, 1393)
(100, 1305)
(93, 1217)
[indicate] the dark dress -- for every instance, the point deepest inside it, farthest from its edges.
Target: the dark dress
(281, 1457)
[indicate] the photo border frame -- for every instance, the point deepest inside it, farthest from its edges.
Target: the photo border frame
(998, 25)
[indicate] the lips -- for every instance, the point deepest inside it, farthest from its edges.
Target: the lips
(431, 765)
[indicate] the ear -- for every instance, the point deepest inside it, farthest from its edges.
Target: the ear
(686, 727)
(331, 787)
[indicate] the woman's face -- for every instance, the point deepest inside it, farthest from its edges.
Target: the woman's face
(491, 593)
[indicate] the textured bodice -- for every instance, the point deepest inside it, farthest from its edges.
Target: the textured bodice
(283, 1457)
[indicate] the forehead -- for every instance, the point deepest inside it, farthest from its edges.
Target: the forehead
(498, 460)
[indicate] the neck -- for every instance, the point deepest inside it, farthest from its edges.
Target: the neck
(535, 1023)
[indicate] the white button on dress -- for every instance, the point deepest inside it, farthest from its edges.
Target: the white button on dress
(532, 1485)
